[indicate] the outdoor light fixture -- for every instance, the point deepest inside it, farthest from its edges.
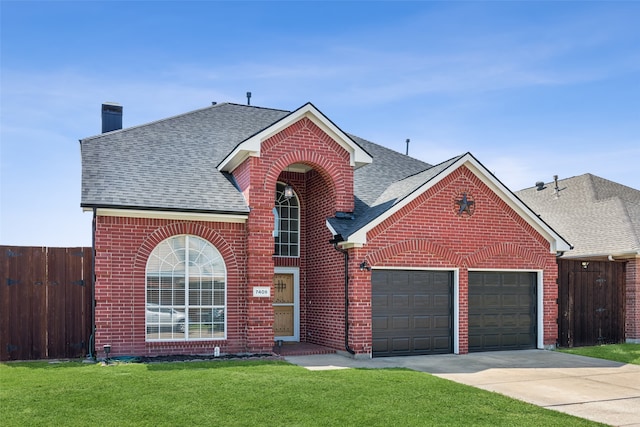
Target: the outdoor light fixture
(288, 192)
(364, 266)
(585, 264)
(107, 350)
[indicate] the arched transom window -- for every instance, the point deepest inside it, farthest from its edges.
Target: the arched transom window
(185, 290)
(287, 223)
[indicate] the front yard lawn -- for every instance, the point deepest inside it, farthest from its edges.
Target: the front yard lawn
(249, 393)
(625, 353)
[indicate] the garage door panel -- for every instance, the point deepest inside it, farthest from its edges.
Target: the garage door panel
(502, 311)
(422, 344)
(512, 301)
(492, 301)
(421, 322)
(380, 322)
(491, 321)
(525, 300)
(510, 320)
(400, 345)
(417, 306)
(401, 322)
(421, 301)
(401, 302)
(475, 300)
(441, 301)
(379, 301)
(442, 322)
(380, 345)
(442, 344)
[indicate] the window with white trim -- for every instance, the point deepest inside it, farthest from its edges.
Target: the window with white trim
(287, 229)
(186, 291)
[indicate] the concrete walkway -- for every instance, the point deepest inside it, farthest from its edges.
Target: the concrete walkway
(595, 389)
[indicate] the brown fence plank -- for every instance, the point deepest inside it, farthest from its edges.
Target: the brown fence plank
(23, 296)
(45, 302)
(590, 302)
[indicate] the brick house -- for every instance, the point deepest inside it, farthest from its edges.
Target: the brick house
(233, 227)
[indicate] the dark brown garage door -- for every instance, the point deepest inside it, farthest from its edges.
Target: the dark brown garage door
(502, 311)
(411, 312)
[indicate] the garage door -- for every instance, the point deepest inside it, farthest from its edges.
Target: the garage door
(502, 311)
(411, 312)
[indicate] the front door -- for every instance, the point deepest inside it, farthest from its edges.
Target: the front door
(285, 323)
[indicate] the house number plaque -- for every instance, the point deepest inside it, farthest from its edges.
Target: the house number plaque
(262, 291)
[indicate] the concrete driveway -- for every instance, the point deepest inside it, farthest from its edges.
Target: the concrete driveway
(595, 389)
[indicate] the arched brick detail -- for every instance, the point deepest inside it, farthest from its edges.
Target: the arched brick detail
(304, 142)
(505, 248)
(179, 228)
(322, 165)
(414, 245)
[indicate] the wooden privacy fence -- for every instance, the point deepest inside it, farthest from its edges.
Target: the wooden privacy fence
(591, 302)
(45, 302)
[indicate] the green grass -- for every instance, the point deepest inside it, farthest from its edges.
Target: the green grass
(625, 353)
(249, 393)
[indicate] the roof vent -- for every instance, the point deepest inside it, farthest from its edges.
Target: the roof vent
(248, 98)
(540, 186)
(557, 189)
(111, 117)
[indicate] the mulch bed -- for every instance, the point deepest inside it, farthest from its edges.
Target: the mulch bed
(210, 357)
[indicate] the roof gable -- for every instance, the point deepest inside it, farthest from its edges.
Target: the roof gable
(403, 192)
(251, 146)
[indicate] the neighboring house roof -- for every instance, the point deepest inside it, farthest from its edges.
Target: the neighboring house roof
(599, 217)
(182, 164)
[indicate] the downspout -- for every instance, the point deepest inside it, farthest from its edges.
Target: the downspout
(337, 239)
(93, 287)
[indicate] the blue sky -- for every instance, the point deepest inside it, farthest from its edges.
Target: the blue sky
(532, 89)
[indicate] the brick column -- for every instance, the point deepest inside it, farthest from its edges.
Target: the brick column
(360, 332)
(260, 273)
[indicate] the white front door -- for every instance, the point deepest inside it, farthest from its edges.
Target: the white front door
(286, 323)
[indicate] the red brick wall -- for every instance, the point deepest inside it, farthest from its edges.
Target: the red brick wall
(303, 143)
(325, 269)
(632, 313)
(429, 233)
(123, 246)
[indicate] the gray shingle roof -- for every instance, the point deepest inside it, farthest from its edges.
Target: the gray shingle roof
(394, 192)
(171, 164)
(599, 217)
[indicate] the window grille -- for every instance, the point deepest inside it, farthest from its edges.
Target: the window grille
(287, 230)
(185, 291)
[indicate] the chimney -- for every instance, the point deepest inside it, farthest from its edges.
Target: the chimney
(111, 117)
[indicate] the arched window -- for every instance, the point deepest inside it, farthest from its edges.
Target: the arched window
(287, 227)
(186, 294)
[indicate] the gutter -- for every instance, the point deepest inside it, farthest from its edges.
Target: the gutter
(337, 239)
